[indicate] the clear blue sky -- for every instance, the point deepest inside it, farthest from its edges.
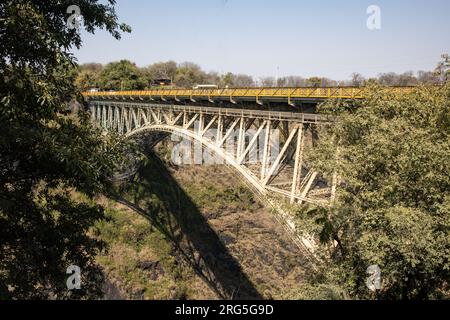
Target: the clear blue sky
(279, 37)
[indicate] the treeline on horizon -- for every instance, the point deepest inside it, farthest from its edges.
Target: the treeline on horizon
(126, 75)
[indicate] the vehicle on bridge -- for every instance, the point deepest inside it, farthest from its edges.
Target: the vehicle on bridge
(205, 86)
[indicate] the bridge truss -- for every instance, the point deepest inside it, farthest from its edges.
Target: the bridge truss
(259, 96)
(266, 148)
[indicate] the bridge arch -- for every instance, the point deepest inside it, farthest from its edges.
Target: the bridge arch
(284, 177)
(279, 170)
(230, 161)
(284, 218)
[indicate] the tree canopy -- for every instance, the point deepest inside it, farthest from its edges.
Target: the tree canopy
(125, 74)
(391, 155)
(122, 75)
(46, 154)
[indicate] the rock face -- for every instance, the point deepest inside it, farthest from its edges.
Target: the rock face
(111, 291)
(154, 268)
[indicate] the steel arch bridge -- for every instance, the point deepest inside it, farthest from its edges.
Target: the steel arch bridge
(212, 117)
(231, 113)
(265, 147)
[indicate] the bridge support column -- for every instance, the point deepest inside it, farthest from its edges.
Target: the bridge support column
(134, 119)
(110, 117)
(281, 155)
(99, 114)
(198, 147)
(219, 129)
(116, 125)
(104, 119)
(128, 120)
(121, 120)
(93, 111)
(201, 123)
(252, 143)
(266, 150)
(241, 138)
(298, 163)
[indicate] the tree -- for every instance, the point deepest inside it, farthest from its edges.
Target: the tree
(295, 81)
(314, 82)
(93, 67)
(243, 80)
(326, 82)
(86, 80)
(268, 82)
(388, 79)
(121, 75)
(189, 74)
(443, 69)
(357, 79)
(393, 79)
(213, 77)
(427, 77)
(407, 79)
(282, 82)
(88, 76)
(226, 80)
(390, 155)
(47, 155)
(161, 70)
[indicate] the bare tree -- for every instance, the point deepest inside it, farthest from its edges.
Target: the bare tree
(213, 77)
(427, 77)
(243, 80)
(443, 68)
(357, 80)
(189, 74)
(295, 81)
(388, 79)
(267, 81)
(282, 82)
(394, 79)
(407, 79)
(160, 70)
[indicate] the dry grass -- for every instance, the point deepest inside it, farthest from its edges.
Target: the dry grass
(250, 234)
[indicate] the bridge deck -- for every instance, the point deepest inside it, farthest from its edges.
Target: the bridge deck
(289, 95)
(228, 112)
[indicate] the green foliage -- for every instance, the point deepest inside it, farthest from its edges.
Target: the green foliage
(391, 154)
(122, 75)
(189, 74)
(161, 70)
(134, 241)
(46, 154)
(227, 80)
(86, 80)
(314, 82)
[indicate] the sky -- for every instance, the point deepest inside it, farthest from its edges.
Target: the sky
(327, 38)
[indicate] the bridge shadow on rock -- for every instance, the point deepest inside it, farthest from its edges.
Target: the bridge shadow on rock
(157, 196)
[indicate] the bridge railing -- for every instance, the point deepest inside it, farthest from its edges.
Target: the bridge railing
(254, 93)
